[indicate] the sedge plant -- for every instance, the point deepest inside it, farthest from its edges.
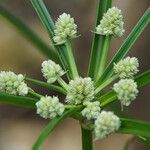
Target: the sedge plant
(85, 97)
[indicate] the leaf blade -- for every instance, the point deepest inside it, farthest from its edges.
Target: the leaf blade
(135, 127)
(21, 101)
(48, 23)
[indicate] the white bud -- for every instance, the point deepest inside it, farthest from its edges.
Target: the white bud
(11, 83)
(106, 123)
(126, 90)
(127, 67)
(64, 28)
(111, 23)
(80, 90)
(51, 71)
(49, 107)
(92, 110)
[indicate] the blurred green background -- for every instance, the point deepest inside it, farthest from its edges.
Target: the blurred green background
(19, 128)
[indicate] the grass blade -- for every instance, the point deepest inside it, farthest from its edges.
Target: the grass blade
(135, 127)
(98, 40)
(51, 126)
(28, 34)
(128, 43)
(48, 23)
(20, 101)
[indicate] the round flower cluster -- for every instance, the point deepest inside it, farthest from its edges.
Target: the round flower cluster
(11, 83)
(105, 124)
(111, 23)
(126, 90)
(51, 71)
(92, 110)
(49, 107)
(127, 67)
(64, 28)
(80, 90)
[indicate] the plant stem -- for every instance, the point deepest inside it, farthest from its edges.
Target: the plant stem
(62, 83)
(105, 83)
(31, 92)
(46, 85)
(103, 58)
(87, 142)
(70, 57)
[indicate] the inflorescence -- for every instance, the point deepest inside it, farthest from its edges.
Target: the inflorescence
(51, 71)
(64, 28)
(126, 88)
(80, 91)
(11, 83)
(49, 107)
(111, 23)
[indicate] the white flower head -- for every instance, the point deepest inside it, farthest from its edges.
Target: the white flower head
(64, 28)
(111, 23)
(126, 90)
(80, 90)
(92, 110)
(127, 67)
(49, 107)
(51, 71)
(11, 83)
(105, 124)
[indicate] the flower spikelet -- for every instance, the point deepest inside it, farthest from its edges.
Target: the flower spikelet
(92, 110)
(111, 23)
(64, 28)
(80, 90)
(105, 124)
(49, 107)
(11, 83)
(127, 67)
(126, 90)
(51, 71)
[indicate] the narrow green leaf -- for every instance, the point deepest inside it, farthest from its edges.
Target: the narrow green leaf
(17, 100)
(128, 43)
(46, 85)
(135, 127)
(48, 23)
(141, 80)
(97, 44)
(51, 126)
(44, 16)
(28, 34)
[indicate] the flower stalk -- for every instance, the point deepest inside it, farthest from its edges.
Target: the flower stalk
(87, 141)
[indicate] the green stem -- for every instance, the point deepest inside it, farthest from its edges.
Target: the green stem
(87, 142)
(46, 85)
(71, 61)
(62, 83)
(105, 83)
(31, 92)
(103, 58)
